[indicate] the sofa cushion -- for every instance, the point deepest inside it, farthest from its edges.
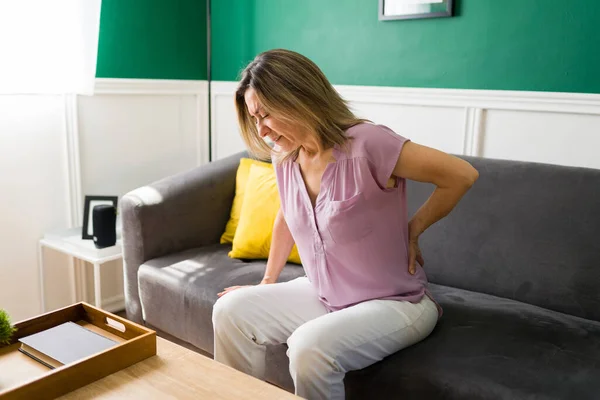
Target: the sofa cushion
(260, 207)
(186, 284)
(241, 180)
(484, 347)
(487, 347)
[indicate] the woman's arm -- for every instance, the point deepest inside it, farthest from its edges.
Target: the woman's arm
(282, 243)
(281, 247)
(453, 178)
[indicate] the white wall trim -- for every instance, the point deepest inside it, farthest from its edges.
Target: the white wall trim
(150, 86)
(114, 304)
(575, 103)
(218, 89)
(73, 163)
(74, 195)
(202, 133)
(223, 87)
(474, 126)
(548, 127)
(166, 87)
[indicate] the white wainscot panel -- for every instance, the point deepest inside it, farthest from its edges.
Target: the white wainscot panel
(555, 138)
(226, 138)
(442, 128)
(127, 141)
(556, 128)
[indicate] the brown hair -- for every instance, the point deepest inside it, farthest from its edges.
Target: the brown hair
(293, 89)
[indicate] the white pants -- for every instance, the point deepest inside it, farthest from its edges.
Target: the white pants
(322, 345)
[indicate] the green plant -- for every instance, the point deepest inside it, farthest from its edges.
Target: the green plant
(6, 329)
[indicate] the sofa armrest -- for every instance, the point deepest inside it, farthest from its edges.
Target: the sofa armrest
(179, 212)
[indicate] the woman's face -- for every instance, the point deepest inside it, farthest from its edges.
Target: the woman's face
(285, 135)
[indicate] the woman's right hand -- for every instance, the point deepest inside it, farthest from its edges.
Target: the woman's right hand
(232, 288)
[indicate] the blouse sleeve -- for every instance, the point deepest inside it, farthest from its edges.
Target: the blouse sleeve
(382, 147)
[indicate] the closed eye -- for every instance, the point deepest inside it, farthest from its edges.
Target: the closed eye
(255, 120)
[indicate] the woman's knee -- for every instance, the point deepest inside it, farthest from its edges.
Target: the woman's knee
(230, 308)
(309, 354)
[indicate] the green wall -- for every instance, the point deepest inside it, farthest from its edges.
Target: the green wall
(538, 45)
(152, 39)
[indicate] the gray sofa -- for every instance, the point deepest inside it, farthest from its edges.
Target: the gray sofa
(516, 267)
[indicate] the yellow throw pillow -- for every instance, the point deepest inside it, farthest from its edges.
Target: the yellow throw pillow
(241, 179)
(260, 206)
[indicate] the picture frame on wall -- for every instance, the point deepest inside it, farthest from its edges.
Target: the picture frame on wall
(390, 10)
(87, 231)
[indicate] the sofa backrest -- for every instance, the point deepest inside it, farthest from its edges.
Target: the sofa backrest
(525, 231)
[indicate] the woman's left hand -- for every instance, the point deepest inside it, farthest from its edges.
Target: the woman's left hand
(414, 255)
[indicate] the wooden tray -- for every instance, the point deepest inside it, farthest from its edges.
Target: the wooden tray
(24, 378)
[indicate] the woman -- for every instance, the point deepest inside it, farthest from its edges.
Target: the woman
(341, 182)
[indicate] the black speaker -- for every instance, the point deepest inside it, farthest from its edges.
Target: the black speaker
(104, 219)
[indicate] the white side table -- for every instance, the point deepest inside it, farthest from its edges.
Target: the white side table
(69, 242)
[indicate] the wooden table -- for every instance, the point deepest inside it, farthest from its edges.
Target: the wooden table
(178, 373)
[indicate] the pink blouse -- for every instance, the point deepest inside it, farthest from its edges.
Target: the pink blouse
(354, 243)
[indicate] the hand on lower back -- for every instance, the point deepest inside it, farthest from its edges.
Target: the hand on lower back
(414, 255)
